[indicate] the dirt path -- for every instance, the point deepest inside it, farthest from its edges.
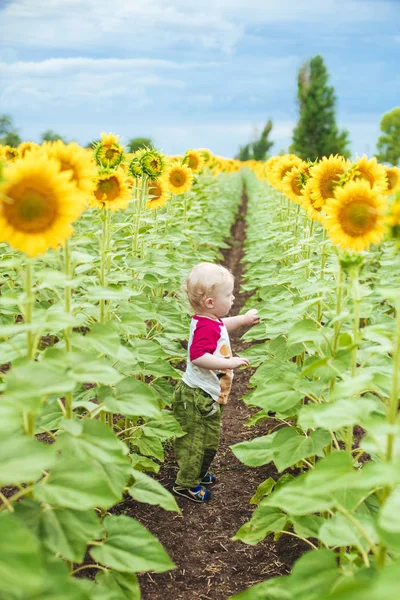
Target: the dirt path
(209, 565)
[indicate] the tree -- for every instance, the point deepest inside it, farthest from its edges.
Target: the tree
(316, 133)
(244, 153)
(8, 133)
(388, 145)
(51, 136)
(257, 150)
(138, 143)
(263, 145)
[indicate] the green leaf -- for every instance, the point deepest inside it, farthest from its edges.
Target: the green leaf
(28, 382)
(88, 369)
(131, 398)
(307, 526)
(23, 459)
(148, 490)
(20, 558)
(149, 446)
(339, 531)
(306, 331)
(272, 589)
(335, 415)
(112, 585)
(265, 520)
(389, 521)
(257, 452)
(289, 447)
(102, 338)
(264, 489)
(277, 396)
(315, 490)
(314, 574)
(67, 532)
(124, 547)
(142, 463)
(164, 428)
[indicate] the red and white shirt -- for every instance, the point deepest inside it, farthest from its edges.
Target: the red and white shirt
(208, 336)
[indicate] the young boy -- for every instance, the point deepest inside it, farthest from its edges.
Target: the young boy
(201, 395)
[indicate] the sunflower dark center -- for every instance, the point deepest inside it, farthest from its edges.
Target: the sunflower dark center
(110, 153)
(392, 180)
(108, 187)
(177, 178)
(193, 162)
(155, 191)
(31, 212)
(358, 217)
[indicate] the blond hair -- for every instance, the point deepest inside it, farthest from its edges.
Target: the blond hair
(202, 281)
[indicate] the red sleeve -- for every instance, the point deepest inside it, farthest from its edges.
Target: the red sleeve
(205, 338)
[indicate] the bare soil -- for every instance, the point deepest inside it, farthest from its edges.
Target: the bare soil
(210, 566)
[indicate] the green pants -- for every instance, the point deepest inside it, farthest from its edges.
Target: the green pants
(200, 417)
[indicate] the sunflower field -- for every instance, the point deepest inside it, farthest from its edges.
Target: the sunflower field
(95, 245)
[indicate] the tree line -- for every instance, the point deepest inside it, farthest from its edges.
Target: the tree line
(315, 135)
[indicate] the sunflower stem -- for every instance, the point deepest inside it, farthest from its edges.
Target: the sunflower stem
(354, 273)
(338, 309)
(67, 308)
(321, 275)
(394, 394)
(28, 307)
(105, 243)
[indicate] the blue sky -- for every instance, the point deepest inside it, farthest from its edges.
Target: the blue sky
(208, 74)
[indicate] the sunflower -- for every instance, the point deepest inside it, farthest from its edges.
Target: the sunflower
(393, 180)
(158, 194)
(355, 217)
(108, 152)
(282, 167)
(269, 166)
(38, 203)
(179, 178)
(134, 168)
(371, 171)
(325, 176)
(9, 153)
(193, 160)
(293, 182)
(111, 191)
(309, 204)
(152, 163)
(25, 147)
(76, 161)
(206, 155)
(393, 218)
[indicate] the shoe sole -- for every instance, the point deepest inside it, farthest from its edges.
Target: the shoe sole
(185, 494)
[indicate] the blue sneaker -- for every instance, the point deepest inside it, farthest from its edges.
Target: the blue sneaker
(196, 494)
(208, 479)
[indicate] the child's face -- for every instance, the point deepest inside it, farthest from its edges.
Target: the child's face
(223, 299)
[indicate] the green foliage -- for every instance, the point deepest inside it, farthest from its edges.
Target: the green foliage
(325, 380)
(138, 143)
(8, 133)
(388, 146)
(316, 133)
(259, 149)
(51, 136)
(116, 375)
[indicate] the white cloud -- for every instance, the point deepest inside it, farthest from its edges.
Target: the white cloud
(150, 24)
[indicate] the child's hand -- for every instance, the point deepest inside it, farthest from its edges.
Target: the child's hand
(236, 362)
(251, 317)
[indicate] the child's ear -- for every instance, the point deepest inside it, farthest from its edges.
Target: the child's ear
(209, 303)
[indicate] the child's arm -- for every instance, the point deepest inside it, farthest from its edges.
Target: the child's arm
(247, 320)
(213, 363)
